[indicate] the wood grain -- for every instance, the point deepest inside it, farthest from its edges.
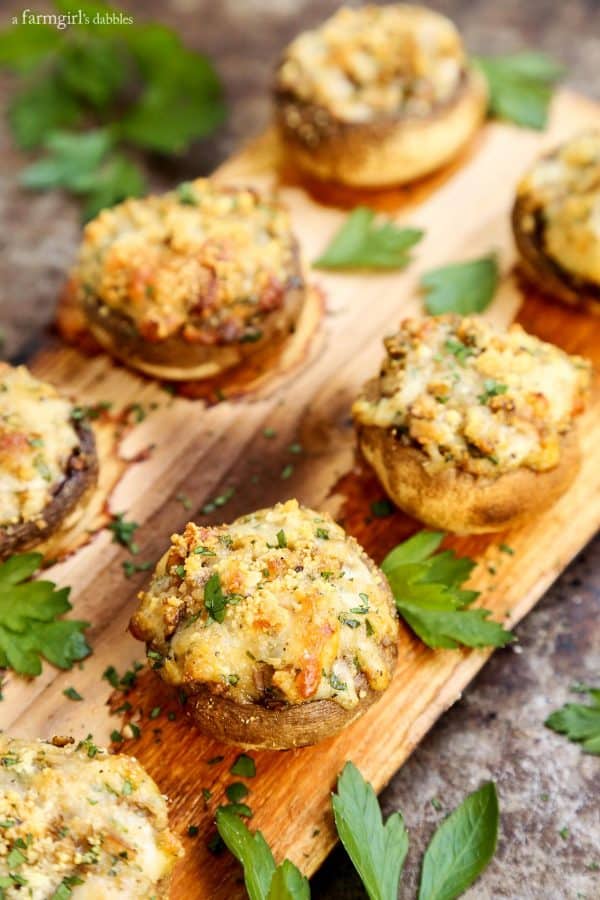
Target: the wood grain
(198, 451)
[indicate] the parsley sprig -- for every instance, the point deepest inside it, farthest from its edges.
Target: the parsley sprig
(520, 86)
(136, 85)
(31, 626)
(361, 243)
(578, 721)
(462, 288)
(458, 853)
(427, 587)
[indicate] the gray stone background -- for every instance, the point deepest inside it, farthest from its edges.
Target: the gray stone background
(549, 791)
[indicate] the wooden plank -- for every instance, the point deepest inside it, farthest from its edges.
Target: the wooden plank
(199, 450)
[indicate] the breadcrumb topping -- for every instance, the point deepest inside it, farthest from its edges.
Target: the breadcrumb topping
(375, 61)
(472, 396)
(207, 262)
(562, 193)
(37, 440)
(77, 822)
(280, 606)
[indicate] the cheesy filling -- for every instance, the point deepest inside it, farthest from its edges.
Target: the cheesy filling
(281, 605)
(375, 61)
(564, 189)
(37, 439)
(76, 822)
(205, 260)
(473, 397)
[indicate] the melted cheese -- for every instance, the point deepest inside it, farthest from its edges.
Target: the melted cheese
(78, 814)
(307, 616)
(37, 439)
(564, 190)
(375, 61)
(207, 260)
(474, 397)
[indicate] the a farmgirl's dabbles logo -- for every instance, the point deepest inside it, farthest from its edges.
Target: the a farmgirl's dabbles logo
(77, 17)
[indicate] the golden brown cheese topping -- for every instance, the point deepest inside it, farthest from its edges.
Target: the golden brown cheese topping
(205, 261)
(77, 822)
(37, 440)
(281, 605)
(562, 194)
(374, 62)
(471, 396)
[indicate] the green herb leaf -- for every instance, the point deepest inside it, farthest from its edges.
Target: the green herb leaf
(251, 850)
(462, 288)
(22, 47)
(288, 883)
(462, 846)
(580, 723)
(520, 86)
(264, 880)
(244, 766)
(362, 244)
(30, 627)
(427, 587)
(39, 109)
(377, 851)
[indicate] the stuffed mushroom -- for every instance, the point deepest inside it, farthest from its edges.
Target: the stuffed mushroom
(48, 461)
(556, 222)
(278, 628)
(378, 95)
(469, 428)
(77, 822)
(189, 284)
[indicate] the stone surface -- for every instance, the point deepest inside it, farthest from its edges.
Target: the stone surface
(496, 731)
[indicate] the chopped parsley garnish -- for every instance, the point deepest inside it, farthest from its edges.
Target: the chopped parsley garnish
(186, 194)
(351, 623)
(155, 712)
(116, 737)
(72, 694)
(236, 791)
(123, 532)
(459, 350)
(336, 683)
(269, 432)
(491, 388)
(204, 551)
(130, 567)
(382, 508)
(364, 608)
(193, 831)
(287, 472)
(215, 601)
(243, 766)
(296, 448)
(323, 534)
(136, 412)
(504, 548)
(184, 500)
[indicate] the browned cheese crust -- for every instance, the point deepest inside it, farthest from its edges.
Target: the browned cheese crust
(278, 628)
(471, 429)
(386, 144)
(191, 283)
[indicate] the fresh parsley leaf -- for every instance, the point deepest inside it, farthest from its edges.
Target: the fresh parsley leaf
(30, 623)
(264, 880)
(22, 47)
(251, 850)
(462, 288)
(40, 108)
(427, 587)
(520, 86)
(137, 80)
(288, 883)
(362, 244)
(462, 846)
(377, 851)
(70, 156)
(580, 723)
